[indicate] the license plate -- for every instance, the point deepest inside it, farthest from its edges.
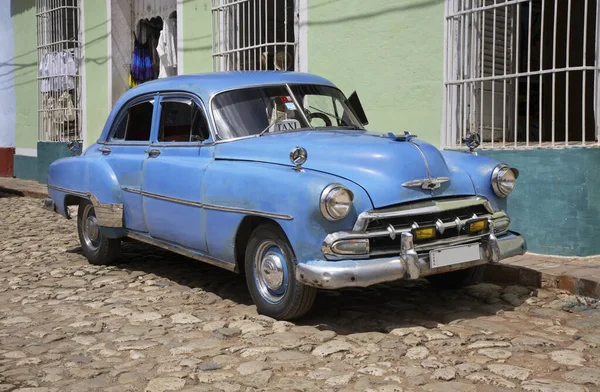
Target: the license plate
(454, 255)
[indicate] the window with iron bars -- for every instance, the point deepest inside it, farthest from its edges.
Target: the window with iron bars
(255, 35)
(522, 73)
(59, 80)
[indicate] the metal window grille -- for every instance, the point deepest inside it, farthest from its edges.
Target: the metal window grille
(59, 80)
(522, 73)
(255, 35)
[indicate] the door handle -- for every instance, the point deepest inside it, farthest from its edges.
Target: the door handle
(105, 150)
(152, 153)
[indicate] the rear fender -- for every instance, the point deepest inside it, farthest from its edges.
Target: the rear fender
(87, 177)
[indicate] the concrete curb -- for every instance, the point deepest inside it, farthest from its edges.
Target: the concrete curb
(577, 276)
(25, 188)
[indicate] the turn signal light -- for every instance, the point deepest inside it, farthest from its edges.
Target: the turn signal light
(477, 226)
(424, 233)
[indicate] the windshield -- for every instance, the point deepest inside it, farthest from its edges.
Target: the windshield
(259, 110)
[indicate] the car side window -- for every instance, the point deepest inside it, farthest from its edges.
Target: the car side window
(135, 124)
(182, 121)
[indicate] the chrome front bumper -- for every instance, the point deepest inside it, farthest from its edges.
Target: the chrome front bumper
(408, 265)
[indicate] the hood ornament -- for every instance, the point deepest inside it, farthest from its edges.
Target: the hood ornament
(426, 183)
(298, 156)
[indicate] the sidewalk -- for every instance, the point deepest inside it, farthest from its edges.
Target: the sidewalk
(578, 275)
(23, 187)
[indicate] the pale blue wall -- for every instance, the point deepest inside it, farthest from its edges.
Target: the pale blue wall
(7, 77)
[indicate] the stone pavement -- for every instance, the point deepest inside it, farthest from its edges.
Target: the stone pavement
(160, 322)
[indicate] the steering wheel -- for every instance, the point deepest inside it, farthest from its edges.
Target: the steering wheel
(322, 116)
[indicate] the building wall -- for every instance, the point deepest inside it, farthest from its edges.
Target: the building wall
(390, 52)
(555, 204)
(97, 62)
(197, 36)
(7, 85)
(25, 79)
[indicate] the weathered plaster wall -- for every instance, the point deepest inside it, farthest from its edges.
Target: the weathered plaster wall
(556, 202)
(25, 81)
(96, 67)
(197, 36)
(121, 47)
(390, 51)
(7, 81)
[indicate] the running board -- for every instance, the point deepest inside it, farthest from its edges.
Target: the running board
(182, 251)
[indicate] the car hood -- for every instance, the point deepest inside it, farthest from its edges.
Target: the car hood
(378, 163)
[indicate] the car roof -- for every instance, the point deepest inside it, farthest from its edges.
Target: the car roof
(207, 84)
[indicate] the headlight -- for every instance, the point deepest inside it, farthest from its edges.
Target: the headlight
(336, 201)
(504, 179)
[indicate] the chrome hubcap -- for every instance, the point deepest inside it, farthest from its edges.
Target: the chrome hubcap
(270, 272)
(91, 230)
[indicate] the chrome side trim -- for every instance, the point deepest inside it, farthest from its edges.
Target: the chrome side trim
(172, 199)
(182, 251)
(211, 206)
(131, 190)
(250, 212)
(419, 208)
(69, 191)
(107, 214)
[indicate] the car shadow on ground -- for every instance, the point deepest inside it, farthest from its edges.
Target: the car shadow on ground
(378, 308)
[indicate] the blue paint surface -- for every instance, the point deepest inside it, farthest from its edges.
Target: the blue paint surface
(555, 204)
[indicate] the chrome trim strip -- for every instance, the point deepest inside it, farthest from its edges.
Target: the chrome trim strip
(250, 212)
(418, 208)
(70, 191)
(131, 190)
(182, 251)
(172, 199)
(424, 158)
(213, 207)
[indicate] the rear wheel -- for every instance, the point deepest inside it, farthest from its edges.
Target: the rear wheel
(457, 279)
(270, 267)
(96, 248)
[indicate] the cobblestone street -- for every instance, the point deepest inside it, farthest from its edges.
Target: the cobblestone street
(160, 322)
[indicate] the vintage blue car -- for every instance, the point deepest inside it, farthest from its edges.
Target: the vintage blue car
(273, 174)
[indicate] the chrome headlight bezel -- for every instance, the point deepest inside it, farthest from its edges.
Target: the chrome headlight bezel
(329, 206)
(498, 177)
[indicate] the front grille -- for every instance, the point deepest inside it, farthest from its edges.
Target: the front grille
(453, 222)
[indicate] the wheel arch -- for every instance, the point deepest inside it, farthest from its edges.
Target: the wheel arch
(242, 236)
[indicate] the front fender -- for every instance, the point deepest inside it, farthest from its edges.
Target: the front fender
(91, 178)
(291, 197)
(480, 169)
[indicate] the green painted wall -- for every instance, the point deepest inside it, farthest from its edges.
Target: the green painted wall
(96, 67)
(556, 204)
(25, 72)
(390, 52)
(48, 152)
(197, 36)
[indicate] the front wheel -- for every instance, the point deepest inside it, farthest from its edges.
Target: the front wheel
(457, 279)
(270, 268)
(96, 248)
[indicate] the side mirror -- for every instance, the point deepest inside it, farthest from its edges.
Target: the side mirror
(75, 147)
(354, 102)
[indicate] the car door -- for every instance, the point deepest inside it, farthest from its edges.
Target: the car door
(125, 152)
(172, 185)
